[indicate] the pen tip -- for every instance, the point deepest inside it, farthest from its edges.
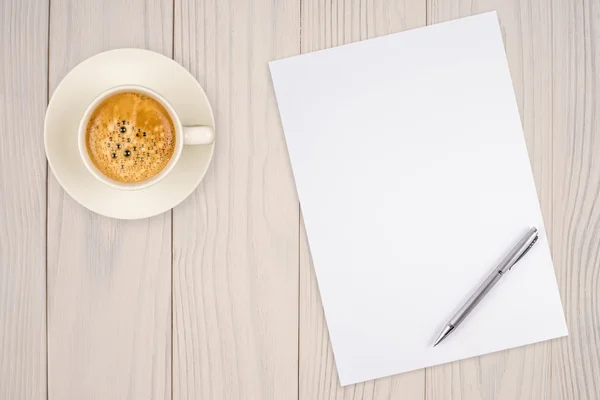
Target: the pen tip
(445, 332)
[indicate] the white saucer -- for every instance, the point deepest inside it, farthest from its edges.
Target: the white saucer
(77, 90)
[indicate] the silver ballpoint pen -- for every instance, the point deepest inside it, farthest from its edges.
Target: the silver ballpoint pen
(505, 265)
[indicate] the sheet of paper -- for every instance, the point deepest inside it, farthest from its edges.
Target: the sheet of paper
(414, 181)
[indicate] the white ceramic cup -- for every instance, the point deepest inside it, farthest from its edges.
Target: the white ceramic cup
(185, 135)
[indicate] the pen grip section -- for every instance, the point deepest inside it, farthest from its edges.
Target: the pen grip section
(475, 298)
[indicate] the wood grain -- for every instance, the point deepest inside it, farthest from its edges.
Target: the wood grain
(23, 96)
(326, 24)
(521, 373)
(109, 281)
(235, 240)
(248, 321)
(576, 242)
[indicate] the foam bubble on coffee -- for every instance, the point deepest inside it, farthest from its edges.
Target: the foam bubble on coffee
(130, 137)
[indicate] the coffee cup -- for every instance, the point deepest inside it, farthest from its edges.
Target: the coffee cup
(117, 161)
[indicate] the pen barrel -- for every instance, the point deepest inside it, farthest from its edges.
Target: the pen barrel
(475, 298)
(517, 252)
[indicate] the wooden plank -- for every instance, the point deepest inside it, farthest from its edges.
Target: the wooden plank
(326, 24)
(521, 373)
(576, 242)
(109, 281)
(235, 240)
(23, 97)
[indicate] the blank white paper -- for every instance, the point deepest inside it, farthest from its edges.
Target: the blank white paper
(414, 181)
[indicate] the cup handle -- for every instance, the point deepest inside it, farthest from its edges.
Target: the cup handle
(198, 135)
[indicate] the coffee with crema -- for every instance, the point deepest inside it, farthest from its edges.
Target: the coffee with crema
(130, 137)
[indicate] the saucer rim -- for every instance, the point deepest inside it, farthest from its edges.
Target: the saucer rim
(126, 216)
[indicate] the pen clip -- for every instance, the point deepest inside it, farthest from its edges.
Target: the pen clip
(525, 251)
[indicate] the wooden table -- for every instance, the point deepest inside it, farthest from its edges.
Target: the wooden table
(217, 299)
